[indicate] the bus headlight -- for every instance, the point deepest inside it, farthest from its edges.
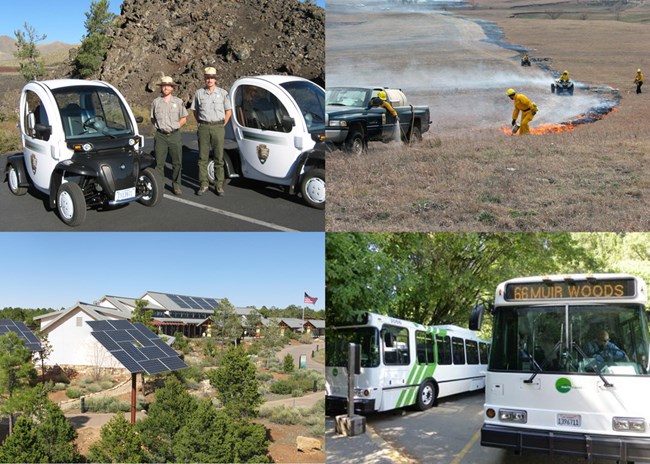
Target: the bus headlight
(361, 392)
(628, 424)
(513, 415)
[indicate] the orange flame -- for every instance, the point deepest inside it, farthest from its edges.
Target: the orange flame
(564, 127)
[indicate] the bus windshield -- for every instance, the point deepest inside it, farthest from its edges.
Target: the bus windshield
(587, 339)
(337, 341)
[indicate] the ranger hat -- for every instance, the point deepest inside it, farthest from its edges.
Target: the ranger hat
(210, 72)
(166, 80)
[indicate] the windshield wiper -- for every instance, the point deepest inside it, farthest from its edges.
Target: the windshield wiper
(596, 368)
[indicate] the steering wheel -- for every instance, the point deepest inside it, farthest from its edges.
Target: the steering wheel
(95, 122)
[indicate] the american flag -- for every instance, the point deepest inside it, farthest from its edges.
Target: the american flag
(310, 299)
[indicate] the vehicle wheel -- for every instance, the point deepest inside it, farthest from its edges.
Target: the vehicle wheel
(426, 395)
(313, 188)
(211, 172)
(151, 185)
(71, 204)
(12, 180)
(415, 136)
(570, 90)
(355, 144)
(552, 88)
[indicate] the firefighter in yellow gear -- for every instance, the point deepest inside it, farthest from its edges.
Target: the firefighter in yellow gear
(527, 108)
(638, 80)
(380, 101)
(565, 76)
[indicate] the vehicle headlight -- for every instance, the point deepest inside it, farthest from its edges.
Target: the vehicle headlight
(628, 424)
(513, 415)
(336, 123)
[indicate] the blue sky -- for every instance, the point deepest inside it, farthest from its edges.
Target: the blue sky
(42, 270)
(61, 20)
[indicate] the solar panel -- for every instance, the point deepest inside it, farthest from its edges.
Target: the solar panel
(205, 304)
(211, 302)
(136, 347)
(19, 328)
(176, 300)
(188, 302)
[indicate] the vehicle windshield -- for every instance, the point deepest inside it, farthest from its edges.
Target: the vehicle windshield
(337, 346)
(348, 96)
(594, 339)
(90, 112)
(311, 100)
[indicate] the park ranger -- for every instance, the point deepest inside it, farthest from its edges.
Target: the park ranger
(212, 110)
(168, 115)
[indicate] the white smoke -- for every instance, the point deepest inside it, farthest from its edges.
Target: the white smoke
(441, 60)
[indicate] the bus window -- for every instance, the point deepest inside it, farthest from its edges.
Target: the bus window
(444, 350)
(338, 340)
(396, 345)
(458, 350)
(483, 352)
(424, 347)
(472, 351)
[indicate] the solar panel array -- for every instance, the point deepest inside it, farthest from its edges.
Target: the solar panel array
(193, 302)
(136, 347)
(31, 342)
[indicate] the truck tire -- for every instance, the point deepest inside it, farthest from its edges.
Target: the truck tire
(152, 185)
(313, 188)
(355, 143)
(415, 136)
(426, 395)
(553, 88)
(12, 180)
(71, 204)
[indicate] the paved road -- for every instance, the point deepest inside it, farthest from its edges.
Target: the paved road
(247, 206)
(447, 434)
(296, 350)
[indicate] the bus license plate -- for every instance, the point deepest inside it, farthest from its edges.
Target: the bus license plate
(568, 420)
(126, 194)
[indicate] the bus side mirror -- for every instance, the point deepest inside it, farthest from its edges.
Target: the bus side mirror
(354, 361)
(476, 316)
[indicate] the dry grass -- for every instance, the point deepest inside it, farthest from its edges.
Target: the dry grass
(594, 178)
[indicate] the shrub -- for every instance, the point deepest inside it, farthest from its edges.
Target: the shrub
(287, 364)
(72, 393)
(282, 387)
(306, 338)
(264, 376)
(106, 384)
(59, 386)
(94, 388)
(296, 393)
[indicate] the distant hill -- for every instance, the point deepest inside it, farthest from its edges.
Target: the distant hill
(52, 52)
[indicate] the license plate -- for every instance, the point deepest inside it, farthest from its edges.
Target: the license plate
(568, 420)
(126, 194)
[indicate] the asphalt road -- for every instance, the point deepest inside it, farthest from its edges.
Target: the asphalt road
(446, 434)
(246, 206)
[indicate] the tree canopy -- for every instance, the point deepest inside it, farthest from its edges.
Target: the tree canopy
(99, 21)
(437, 278)
(31, 64)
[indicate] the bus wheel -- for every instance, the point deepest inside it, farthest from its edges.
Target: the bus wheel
(426, 395)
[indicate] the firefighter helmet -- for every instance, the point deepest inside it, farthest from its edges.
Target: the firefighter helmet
(510, 92)
(382, 95)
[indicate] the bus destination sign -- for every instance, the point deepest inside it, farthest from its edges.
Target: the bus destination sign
(613, 288)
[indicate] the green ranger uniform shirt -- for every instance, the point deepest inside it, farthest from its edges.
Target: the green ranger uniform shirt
(211, 107)
(166, 115)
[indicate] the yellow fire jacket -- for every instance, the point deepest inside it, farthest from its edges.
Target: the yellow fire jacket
(638, 78)
(522, 103)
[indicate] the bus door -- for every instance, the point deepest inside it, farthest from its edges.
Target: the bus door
(397, 358)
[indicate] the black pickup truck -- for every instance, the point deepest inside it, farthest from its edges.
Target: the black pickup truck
(352, 121)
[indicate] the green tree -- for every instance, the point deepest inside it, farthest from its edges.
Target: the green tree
(118, 443)
(42, 433)
(223, 439)
(96, 41)
(437, 278)
(16, 371)
(142, 314)
(236, 385)
(252, 322)
(287, 364)
(166, 415)
(227, 324)
(31, 65)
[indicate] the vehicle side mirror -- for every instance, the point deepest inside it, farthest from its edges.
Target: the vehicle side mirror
(476, 315)
(287, 123)
(31, 121)
(139, 119)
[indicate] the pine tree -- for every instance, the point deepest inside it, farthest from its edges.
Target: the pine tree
(228, 325)
(118, 443)
(287, 365)
(143, 315)
(31, 65)
(236, 384)
(95, 43)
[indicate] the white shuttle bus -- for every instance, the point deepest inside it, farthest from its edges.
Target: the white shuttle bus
(403, 363)
(568, 371)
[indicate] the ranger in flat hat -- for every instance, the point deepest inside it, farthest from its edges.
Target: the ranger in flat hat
(168, 115)
(212, 110)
